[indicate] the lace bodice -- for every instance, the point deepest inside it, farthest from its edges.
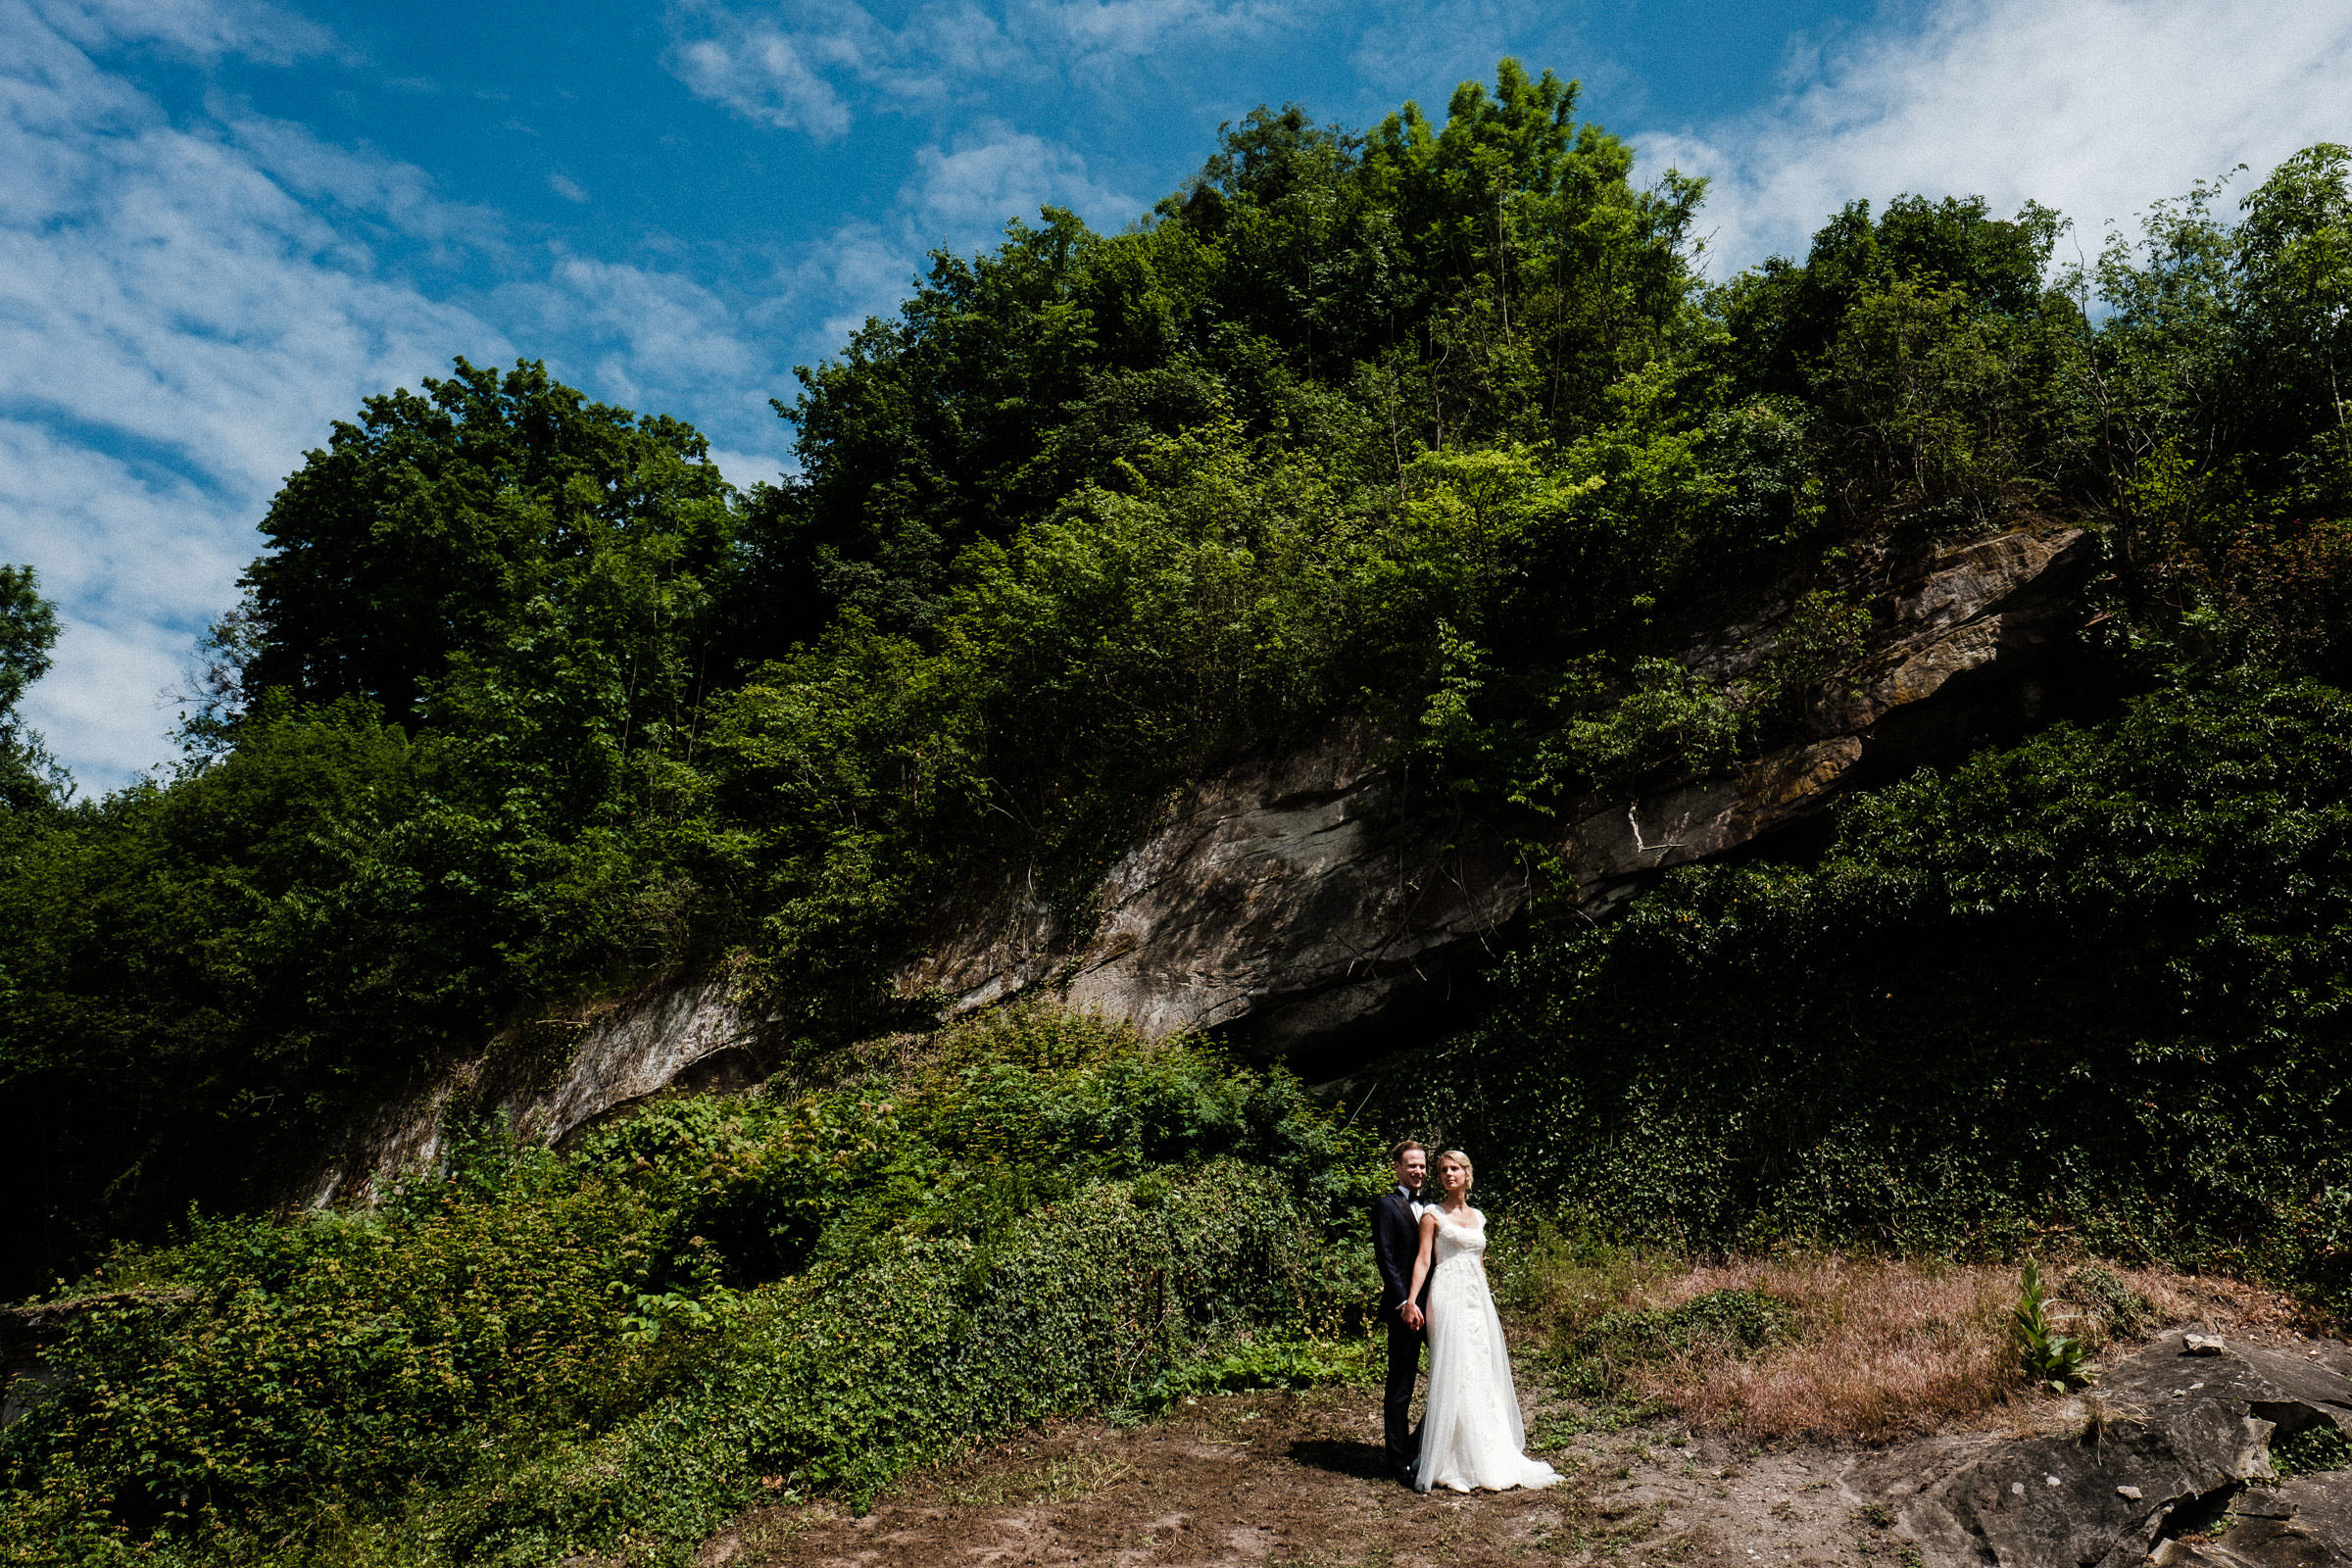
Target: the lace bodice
(1461, 1239)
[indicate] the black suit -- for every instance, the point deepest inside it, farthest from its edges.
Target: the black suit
(1395, 1243)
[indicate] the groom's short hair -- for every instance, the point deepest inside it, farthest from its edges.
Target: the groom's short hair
(1396, 1155)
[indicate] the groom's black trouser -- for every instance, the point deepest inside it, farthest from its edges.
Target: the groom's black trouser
(1396, 1403)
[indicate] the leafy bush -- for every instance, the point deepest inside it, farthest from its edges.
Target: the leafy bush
(1272, 1363)
(537, 1354)
(1721, 1322)
(2321, 1445)
(2116, 1307)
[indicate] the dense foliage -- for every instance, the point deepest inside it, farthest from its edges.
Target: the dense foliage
(527, 710)
(2091, 987)
(537, 1355)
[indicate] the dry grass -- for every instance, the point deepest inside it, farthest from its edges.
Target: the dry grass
(1869, 1349)
(1872, 1350)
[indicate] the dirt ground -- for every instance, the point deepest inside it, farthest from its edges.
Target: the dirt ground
(1280, 1480)
(1295, 1481)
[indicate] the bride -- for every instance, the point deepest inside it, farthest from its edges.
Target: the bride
(1470, 1434)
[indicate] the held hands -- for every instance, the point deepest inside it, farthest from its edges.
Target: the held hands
(1412, 1315)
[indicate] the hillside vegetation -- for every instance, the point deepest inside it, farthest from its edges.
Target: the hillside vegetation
(526, 709)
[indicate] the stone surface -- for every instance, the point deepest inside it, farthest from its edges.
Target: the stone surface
(2305, 1522)
(633, 1052)
(1696, 821)
(1284, 890)
(1297, 899)
(2165, 1440)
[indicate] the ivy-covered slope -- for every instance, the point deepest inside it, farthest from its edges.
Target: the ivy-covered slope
(2089, 991)
(534, 1355)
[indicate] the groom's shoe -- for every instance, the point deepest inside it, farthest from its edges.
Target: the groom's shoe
(1405, 1472)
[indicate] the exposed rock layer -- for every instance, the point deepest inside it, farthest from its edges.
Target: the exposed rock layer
(1302, 896)
(1295, 899)
(688, 1034)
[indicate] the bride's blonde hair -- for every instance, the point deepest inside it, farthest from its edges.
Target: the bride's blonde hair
(1464, 1160)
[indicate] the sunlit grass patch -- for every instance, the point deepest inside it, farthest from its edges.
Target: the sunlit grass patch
(1825, 1346)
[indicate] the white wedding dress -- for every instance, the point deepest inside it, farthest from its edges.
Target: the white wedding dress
(1471, 1435)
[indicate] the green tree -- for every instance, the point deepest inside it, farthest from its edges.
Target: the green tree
(1366, 297)
(443, 525)
(28, 777)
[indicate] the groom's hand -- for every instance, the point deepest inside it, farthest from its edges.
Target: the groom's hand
(1411, 1315)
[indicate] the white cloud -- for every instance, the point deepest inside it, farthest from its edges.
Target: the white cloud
(802, 65)
(857, 270)
(570, 190)
(185, 308)
(2093, 107)
(1102, 34)
(967, 192)
(960, 198)
(1424, 47)
(645, 339)
(159, 283)
(137, 556)
(769, 74)
(205, 30)
(177, 323)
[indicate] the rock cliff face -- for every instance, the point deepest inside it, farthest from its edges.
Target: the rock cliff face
(1299, 898)
(691, 1035)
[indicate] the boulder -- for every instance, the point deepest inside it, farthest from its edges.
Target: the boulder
(2162, 1449)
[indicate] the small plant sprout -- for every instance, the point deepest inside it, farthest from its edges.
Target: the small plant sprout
(2048, 1357)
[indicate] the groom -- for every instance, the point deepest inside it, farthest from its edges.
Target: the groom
(1396, 1241)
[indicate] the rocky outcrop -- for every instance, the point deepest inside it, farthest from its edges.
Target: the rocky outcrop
(692, 1036)
(2305, 1522)
(2170, 1445)
(1297, 899)
(1294, 893)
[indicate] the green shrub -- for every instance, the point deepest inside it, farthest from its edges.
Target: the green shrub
(2116, 1307)
(2321, 1445)
(534, 1355)
(1266, 1363)
(1739, 1322)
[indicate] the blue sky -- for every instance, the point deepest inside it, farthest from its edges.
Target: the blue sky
(224, 222)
